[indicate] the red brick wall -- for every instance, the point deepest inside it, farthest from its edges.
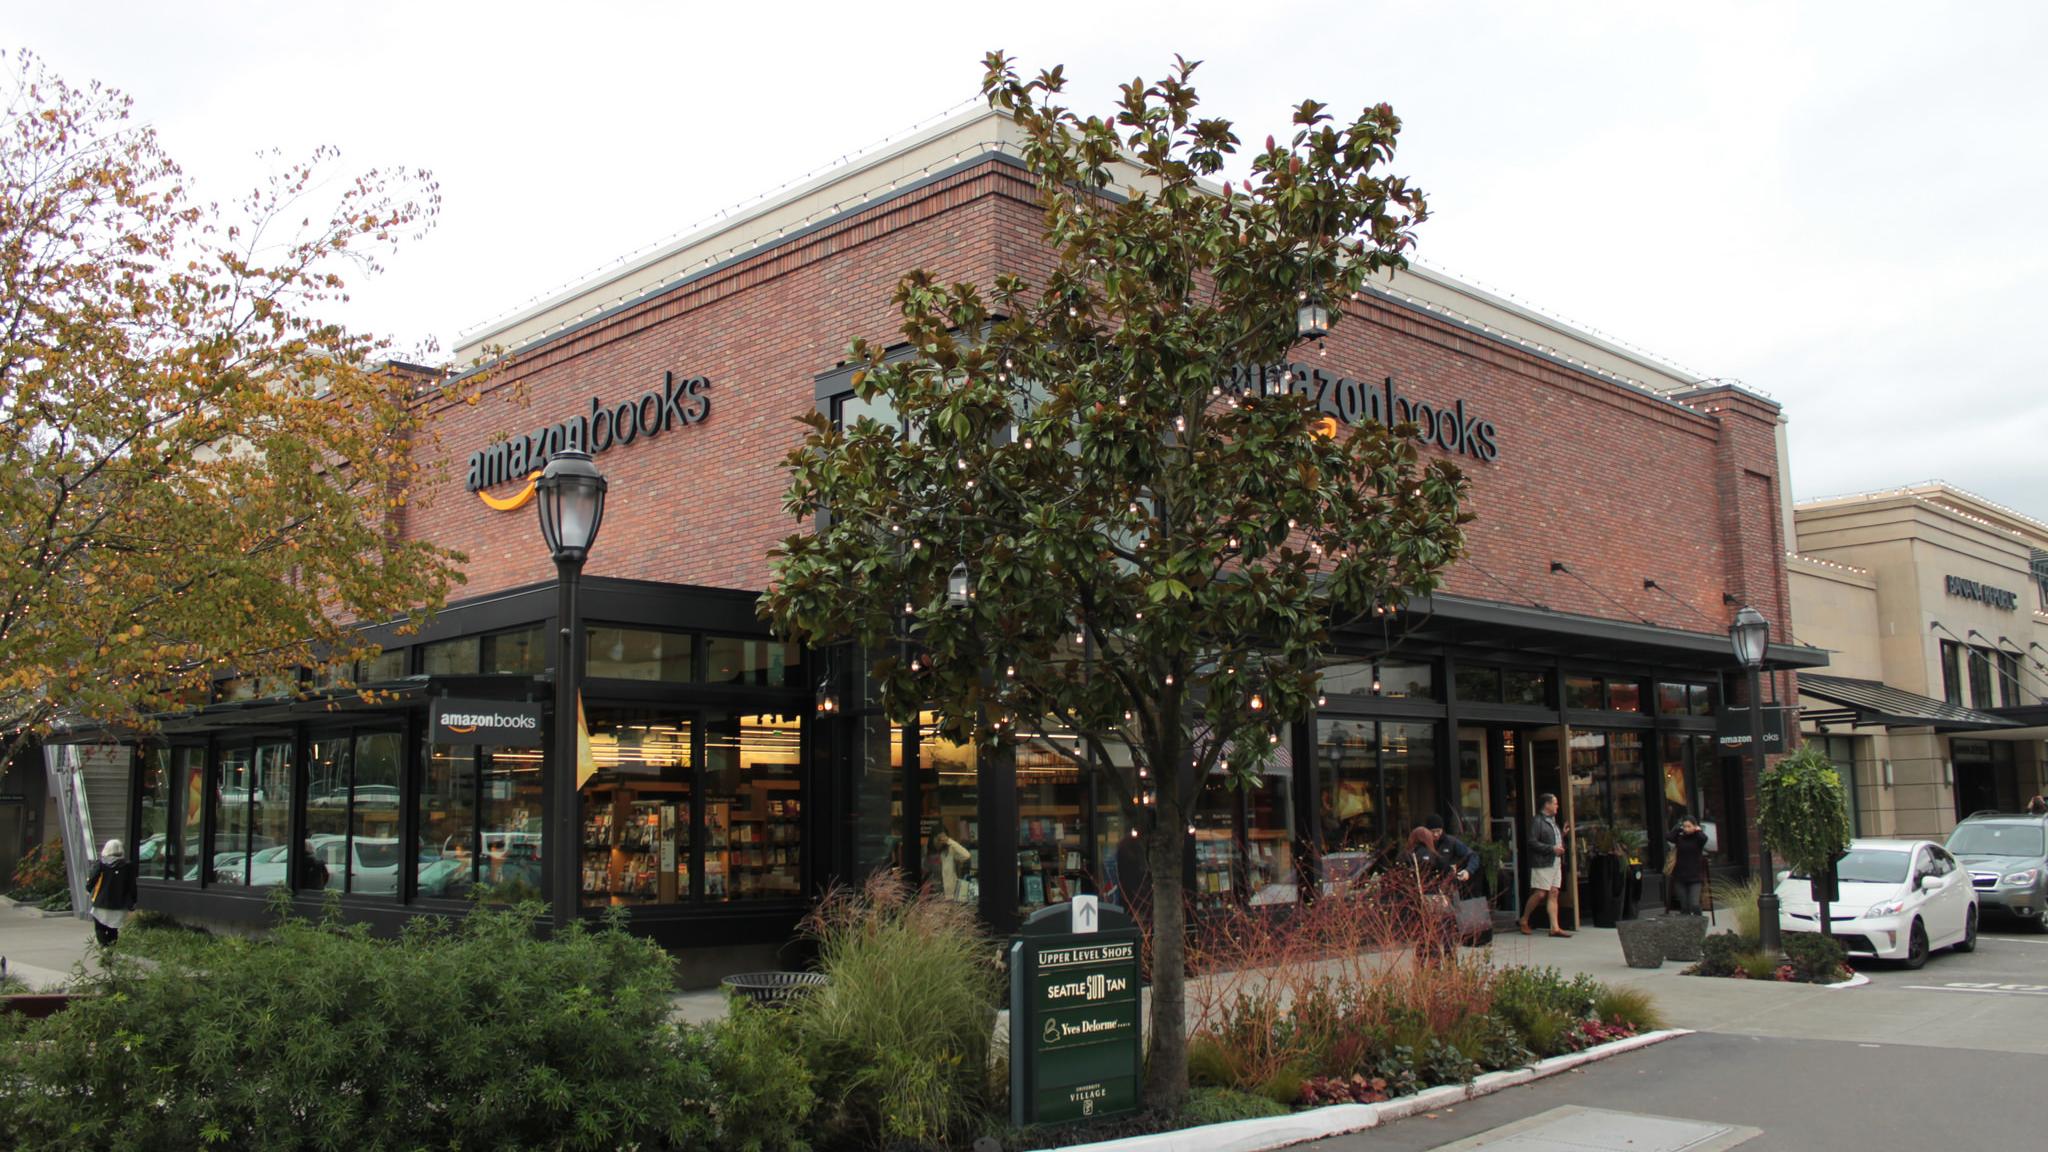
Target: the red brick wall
(1618, 485)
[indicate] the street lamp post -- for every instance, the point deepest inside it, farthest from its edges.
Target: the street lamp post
(1751, 634)
(570, 495)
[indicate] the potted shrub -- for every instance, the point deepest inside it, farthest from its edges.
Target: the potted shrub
(1803, 812)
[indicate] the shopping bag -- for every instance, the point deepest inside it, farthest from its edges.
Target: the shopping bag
(1475, 917)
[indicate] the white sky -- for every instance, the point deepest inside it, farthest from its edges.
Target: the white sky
(1838, 204)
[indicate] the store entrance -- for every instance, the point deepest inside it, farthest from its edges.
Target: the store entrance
(1502, 769)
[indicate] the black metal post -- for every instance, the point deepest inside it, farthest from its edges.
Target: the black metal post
(1767, 892)
(564, 848)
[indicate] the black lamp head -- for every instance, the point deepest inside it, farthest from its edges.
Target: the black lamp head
(570, 495)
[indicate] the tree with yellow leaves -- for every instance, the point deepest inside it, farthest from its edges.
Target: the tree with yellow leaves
(199, 472)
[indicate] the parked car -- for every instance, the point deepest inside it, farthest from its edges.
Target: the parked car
(2006, 855)
(1900, 900)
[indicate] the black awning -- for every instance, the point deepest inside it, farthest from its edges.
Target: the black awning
(1871, 702)
(1458, 620)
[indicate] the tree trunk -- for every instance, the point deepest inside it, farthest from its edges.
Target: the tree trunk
(1166, 1074)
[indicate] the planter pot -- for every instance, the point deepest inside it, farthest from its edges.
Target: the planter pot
(1682, 936)
(1642, 944)
(37, 1005)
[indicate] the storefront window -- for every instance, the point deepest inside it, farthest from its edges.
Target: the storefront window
(1671, 699)
(636, 812)
(950, 807)
(1052, 825)
(639, 654)
(1701, 697)
(1349, 806)
(374, 850)
(460, 657)
(753, 788)
(1624, 696)
(152, 838)
(1524, 686)
(1408, 775)
(447, 804)
(1119, 856)
(327, 774)
(232, 783)
(1677, 773)
(191, 790)
(270, 831)
(352, 815)
(1270, 833)
(755, 663)
(1478, 685)
(386, 665)
(1583, 692)
(1408, 679)
(1625, 772)
(510, 824)
(519, 653)
(1217, 862)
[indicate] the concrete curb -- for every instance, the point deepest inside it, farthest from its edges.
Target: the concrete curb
(1338, 1119)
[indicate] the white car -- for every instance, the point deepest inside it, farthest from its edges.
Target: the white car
(1901, 899)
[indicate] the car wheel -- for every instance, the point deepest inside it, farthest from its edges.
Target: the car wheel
(2039, 924)
(1916, 946)
(1969, 941)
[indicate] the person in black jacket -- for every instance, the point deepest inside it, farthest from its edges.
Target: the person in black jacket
(1462, 858)
(1689, 864)
(112, 888)
(1422, 878)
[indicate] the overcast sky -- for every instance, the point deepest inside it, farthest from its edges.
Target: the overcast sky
(1841, 205)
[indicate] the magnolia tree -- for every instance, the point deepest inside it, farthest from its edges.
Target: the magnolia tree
(1102, 521)
(198, 471)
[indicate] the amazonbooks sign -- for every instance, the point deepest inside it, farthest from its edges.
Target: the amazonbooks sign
(1449, 426)
(505, 723)
(678, 403)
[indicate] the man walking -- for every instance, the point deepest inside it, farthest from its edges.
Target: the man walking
(1546, 864)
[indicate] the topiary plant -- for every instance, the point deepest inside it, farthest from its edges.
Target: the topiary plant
(1804, 814)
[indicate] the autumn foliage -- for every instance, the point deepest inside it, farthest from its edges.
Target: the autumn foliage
(199, 470)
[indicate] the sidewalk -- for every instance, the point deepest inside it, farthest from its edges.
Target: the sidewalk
(44, 951)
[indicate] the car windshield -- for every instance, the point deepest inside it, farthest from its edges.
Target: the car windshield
(1873, 866)
(1996, 840)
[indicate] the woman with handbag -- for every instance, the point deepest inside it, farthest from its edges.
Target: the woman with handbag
(112, 888)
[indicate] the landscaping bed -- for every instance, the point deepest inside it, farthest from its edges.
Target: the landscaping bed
(487, 1034)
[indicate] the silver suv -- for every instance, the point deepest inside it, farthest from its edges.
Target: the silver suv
(2006, 855)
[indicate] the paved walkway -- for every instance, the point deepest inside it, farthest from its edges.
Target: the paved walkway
(44, 951)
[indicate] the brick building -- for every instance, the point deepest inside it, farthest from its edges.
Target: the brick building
(1623, 511)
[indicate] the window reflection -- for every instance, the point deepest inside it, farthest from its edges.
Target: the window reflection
(639, 654)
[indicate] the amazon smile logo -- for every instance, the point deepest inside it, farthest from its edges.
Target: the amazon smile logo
(679, 402)
(519, 499)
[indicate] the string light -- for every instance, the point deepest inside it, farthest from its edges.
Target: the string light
(1258, 702)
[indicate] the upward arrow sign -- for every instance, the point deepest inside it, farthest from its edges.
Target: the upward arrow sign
(1085, 914)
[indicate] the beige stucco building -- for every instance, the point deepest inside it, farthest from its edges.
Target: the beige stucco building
(1933, 604)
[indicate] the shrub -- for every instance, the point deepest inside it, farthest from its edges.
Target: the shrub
(1589, 1033)
(479, 1034)
(1492, 1043)
(1814, 958)
(764, 1097)
(1222, 1105)
(1631, 1006)
(1541, 1005)
(39, 874)
(1719, 951)
(1757, 965)
(898, 1041)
